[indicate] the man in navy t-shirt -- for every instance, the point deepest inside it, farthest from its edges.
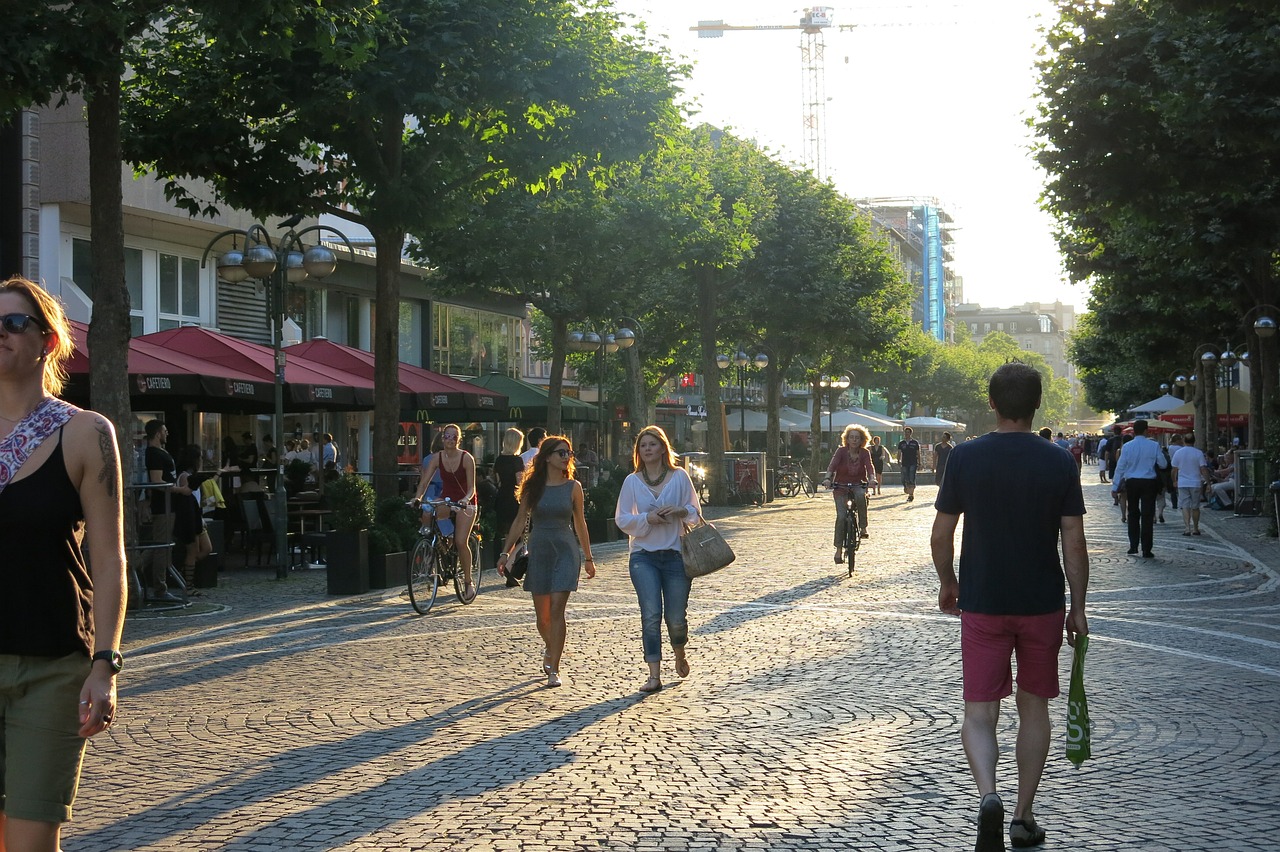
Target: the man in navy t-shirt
(1018, 494)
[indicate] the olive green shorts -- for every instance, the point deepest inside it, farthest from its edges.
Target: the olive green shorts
(40, 744)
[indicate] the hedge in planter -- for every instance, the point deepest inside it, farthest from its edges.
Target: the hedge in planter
(351, 501)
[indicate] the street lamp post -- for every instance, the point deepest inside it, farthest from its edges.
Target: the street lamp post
(741, 361)
(1210, 362)
(835, 386)
(590, 341)
(277, 266)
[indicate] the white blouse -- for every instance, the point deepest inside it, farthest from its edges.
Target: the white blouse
(637, 500)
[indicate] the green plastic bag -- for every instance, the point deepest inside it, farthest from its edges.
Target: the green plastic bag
(1078, 734)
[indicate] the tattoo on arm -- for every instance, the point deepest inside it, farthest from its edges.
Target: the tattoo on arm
(107, 446)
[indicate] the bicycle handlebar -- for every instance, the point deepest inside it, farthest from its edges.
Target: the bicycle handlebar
(443, 501)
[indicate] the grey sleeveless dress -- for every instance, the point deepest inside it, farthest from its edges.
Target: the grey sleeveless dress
(554, 556)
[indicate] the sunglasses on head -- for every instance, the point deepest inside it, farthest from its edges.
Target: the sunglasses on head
(17, 323)
(563, 453)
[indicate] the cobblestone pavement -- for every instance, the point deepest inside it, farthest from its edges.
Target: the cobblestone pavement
(822, 712)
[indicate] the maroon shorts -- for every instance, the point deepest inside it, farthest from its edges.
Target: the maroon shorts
(987, 642)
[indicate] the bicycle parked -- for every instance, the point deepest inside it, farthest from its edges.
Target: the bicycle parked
(435, 560)
(792, 480)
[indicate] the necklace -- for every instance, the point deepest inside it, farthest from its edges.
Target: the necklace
(652, 483)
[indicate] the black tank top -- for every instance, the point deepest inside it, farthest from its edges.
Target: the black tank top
(45, 590)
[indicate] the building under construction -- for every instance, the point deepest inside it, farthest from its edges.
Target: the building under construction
(919, 235)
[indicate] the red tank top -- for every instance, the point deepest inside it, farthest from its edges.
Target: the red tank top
(454, 484)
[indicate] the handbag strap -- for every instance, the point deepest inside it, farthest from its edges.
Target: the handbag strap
(46, 418)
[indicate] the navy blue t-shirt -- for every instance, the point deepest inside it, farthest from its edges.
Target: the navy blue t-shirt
(1013, 489)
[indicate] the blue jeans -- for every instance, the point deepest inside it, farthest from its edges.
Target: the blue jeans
(909, 474)
(663, 589)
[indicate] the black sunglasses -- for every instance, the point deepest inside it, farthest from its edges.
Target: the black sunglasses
(17, 323)
(563, 453)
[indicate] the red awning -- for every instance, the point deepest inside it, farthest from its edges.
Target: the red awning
(424, 392)
(308, 384)
(156, 371)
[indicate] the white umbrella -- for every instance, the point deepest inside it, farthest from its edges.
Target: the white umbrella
(1159, 405)
(871, 422)
(932, 423)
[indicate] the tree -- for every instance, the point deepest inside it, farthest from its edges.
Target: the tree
(1158, 131)
(819, 290)
(416, 111)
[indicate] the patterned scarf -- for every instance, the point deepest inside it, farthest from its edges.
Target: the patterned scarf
(43, 421)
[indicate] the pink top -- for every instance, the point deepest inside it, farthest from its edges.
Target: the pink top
(846, 467)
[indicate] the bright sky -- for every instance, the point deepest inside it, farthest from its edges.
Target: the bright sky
(933, 109)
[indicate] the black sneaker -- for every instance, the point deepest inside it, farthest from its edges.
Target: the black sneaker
(990, 824)
(911, 498)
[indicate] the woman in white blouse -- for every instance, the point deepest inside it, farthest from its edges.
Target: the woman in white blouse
(653, 506)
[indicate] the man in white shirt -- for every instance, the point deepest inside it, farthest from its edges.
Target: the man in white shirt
(534, 438)
(1136, 473)
(1191, 471)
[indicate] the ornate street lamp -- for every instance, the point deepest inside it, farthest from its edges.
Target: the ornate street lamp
(835, 385)
(276, 266)
(742, 361)
(590, 341)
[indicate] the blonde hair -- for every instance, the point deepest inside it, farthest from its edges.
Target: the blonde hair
(512, 439)
(668, 456)
(53, 324)
(854, 428)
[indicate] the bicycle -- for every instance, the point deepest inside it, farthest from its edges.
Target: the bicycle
(793, 480)
(852, 538)
(435, 559)
(745, 490)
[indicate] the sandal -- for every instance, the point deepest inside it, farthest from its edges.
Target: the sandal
(682, 667)
(1025, 832)
(653, 684)
(839, 557)
(468, 593)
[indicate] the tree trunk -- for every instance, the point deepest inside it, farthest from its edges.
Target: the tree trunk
(705, 281)
(386, 360)
(555, 387)
(109, 330)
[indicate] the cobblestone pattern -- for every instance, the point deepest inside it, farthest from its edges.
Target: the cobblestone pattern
(822, 712)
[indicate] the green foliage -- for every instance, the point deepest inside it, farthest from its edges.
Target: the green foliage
(600, 501)
(395, 527)
(351, 500)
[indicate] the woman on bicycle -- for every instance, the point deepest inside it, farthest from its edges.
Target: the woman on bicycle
(653, 505)
(457, 471)
(552, 502)
(851, 465)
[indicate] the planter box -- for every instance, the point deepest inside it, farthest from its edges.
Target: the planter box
(348, 556)
(388, 570)
(603, 531)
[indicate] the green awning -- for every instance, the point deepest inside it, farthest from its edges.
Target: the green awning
(527, 403)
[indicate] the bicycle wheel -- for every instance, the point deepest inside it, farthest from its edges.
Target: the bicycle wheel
(788, 485)
(750, 491)
(852, 537)
(807, 486)
(424, 576)
(459, 582)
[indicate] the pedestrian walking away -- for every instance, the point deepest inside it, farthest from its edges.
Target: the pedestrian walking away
(941, 451)
(551, 501)
(60, 620)
(1191, 473)
(655, 503)
(909, 459)
(1020, 497)
(1137, 472)
(507, 469)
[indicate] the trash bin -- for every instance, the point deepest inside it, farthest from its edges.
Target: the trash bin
(1251, 481)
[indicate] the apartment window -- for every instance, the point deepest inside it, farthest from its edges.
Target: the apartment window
(179, 291)
(471, 342)
(986, 328)
(1013, 328)
(82, 274)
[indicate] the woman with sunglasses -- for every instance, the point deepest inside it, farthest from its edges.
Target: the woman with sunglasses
(551, 499)
(60, 621)
(457, 470)
(653, 506)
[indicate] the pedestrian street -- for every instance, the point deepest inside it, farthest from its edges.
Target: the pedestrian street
(822, 711)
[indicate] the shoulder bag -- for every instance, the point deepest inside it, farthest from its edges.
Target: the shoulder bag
(704, 549)
(519, 564)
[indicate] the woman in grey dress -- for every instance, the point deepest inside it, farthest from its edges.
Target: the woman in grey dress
(552, 501)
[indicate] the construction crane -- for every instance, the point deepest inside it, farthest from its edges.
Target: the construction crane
(814, 21)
